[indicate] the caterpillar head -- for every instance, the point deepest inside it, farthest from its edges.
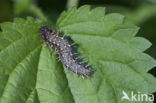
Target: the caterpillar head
(45, 33)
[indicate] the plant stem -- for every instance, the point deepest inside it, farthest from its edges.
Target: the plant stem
(36, 11)
(71, 3)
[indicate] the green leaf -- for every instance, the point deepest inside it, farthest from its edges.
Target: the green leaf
(31, 73)
(28, 72)
(110, 46)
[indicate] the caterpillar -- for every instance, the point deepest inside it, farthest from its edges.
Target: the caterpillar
(63, 47)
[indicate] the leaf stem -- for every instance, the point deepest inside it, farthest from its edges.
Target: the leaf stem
(71, 3)
(36, 11)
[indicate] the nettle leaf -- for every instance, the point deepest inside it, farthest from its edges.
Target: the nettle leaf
(115, 53)
(31, 72)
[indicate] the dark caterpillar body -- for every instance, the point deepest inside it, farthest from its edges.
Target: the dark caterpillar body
(64, 49)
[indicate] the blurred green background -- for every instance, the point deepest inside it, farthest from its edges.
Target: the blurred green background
(139, 12)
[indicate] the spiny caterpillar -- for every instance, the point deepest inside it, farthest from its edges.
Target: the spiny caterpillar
(63, 47)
